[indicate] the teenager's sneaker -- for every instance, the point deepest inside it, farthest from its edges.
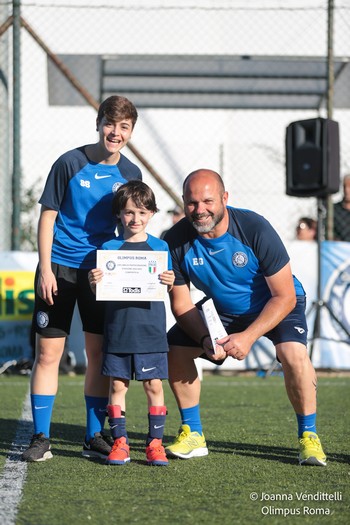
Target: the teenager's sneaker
(38, 450)
(187, 444)
(155, 453)
(311, 452)
(98, 447)
(119, 455)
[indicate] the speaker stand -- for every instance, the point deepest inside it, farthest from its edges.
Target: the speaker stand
(320, 303)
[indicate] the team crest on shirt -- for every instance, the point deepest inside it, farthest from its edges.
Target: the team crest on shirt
(116, 186)
(239, 259)
(42, 319)
(110, 265)
(152, 266)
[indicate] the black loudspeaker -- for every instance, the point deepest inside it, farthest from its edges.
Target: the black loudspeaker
(312, 158)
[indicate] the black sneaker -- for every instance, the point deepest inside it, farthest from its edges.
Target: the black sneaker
(98, 447)
(38, 450)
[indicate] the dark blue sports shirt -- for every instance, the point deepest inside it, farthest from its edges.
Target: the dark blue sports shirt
(230, 269)
(81, 192)
(136, 327)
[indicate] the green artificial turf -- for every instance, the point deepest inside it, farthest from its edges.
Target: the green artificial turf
(250, 474)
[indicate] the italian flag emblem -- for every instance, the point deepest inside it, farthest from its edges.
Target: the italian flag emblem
(152, 266)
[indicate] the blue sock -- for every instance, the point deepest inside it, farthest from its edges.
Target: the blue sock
(95, 415)
(156, 425)
(306, 423)
(118, 427)
(191, 417)
(42, 411)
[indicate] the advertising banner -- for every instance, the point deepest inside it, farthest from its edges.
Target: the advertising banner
(332, 350)
(16, 308)
(17, 270)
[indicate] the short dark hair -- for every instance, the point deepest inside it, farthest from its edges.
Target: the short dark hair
(176, 211)
(141, 194)
(117, 108)
(307, 222)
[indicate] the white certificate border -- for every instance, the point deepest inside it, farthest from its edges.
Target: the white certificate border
(104, 256)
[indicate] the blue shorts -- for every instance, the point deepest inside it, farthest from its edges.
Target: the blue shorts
(136, 366)
(292, 328)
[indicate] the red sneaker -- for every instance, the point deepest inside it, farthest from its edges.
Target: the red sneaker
(119, 455)
(156, 454)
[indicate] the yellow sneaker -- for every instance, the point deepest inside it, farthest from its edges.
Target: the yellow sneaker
(187, 444)
(311, 452)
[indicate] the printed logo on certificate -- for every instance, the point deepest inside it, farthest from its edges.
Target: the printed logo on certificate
(130, 275)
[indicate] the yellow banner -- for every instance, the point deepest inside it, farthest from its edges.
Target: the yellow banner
(16, 295)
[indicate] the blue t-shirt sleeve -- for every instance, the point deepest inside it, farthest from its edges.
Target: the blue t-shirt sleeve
(179, 238)
(128, 169)
(63, 169)
(268, 248)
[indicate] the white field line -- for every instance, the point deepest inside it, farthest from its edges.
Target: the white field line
(15, 470)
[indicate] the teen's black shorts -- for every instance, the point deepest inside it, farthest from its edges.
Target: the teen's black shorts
(73, 288)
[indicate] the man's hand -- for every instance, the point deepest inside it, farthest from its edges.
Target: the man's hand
(236, 345)
(208, 349)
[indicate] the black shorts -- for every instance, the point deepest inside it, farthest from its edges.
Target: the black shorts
(73, 287)
(292, 328)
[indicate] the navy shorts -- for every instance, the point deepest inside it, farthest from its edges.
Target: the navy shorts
(73, 287)
(292, 328)
(136, 366)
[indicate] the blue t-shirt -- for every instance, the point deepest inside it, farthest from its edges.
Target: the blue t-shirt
(230, 269)
(136, 327)
(81, 192)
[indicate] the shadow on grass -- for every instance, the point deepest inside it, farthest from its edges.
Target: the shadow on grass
(271, 453)
(64, 436)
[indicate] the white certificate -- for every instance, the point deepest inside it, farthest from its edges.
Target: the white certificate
(131, 275)
(213, 322)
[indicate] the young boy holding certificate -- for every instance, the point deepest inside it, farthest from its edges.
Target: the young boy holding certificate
(135, 341)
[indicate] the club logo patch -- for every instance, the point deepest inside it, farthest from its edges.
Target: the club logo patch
(42, 319)
(116, 186)
(239, 259)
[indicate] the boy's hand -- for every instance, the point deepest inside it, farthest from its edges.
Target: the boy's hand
(168, 278)
(94, 276)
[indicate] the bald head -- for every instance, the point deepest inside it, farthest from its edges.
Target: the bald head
(204, 176)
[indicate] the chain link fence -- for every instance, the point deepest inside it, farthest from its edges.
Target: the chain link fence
(77, 53)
